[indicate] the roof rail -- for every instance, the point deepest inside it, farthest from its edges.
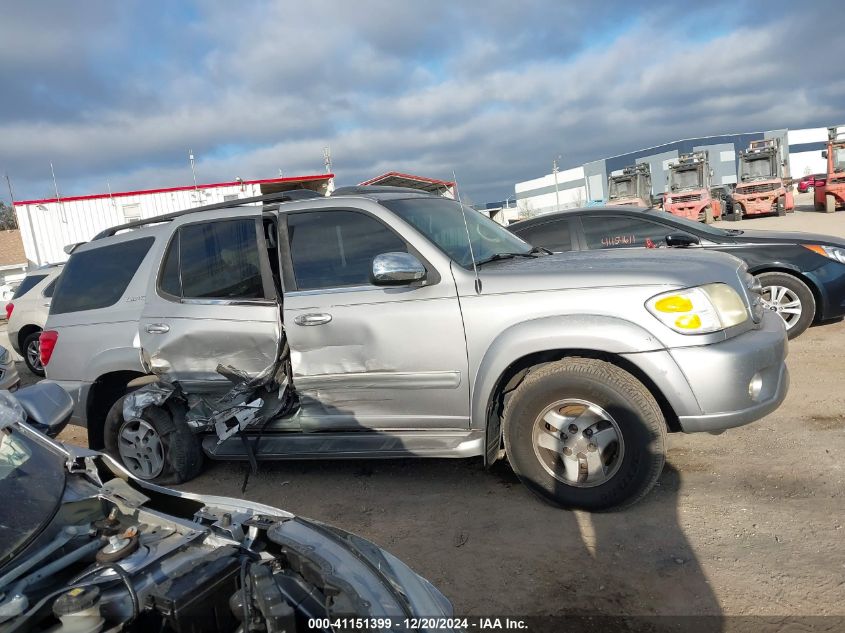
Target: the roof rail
(284, 196)
(368, 189)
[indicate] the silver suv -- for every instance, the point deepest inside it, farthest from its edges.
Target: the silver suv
(401, 324)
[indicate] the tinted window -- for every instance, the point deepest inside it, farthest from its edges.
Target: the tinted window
(330, 249)
(552, 235)
(621, 232)
(97, 278)
(29, 282)
(213, 260)
(48, 291)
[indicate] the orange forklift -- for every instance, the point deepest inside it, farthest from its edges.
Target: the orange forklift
(690, 194)
(631, 188)
(761, 189)
(831, 193)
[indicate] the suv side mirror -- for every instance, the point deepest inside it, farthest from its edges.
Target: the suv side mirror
(682, 240)
(47, 405)
(396, 269)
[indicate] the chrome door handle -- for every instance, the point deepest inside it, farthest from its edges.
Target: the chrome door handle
(312, 319)
(157, 328)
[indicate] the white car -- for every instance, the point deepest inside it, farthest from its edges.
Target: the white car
(27, 313)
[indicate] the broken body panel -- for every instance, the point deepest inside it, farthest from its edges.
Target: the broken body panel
(689, 195)
(831, 193)
(761, 187)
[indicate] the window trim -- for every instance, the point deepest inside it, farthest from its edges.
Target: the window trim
(432, 277)
(263, 266)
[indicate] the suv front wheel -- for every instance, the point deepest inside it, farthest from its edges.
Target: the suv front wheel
(583, 433)
(156, 446)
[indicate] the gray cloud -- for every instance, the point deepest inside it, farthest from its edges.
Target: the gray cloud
(491, 90)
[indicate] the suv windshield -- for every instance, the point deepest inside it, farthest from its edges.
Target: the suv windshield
(32, 476)
(441, 221)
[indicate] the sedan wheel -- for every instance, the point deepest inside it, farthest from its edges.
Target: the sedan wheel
(141, 449)
(791, 299)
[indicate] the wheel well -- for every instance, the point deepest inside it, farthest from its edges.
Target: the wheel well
(103, 394)
(24, 332)
(519, 369)
(817, 295)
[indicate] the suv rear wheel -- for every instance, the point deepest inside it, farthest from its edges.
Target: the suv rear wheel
(32, 353)
(583, 433)
(154, 446)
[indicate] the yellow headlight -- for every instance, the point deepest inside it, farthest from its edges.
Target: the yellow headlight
(674, 303)
(688, 322)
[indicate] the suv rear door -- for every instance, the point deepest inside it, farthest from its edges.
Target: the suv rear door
(366, 356)
(211, 300)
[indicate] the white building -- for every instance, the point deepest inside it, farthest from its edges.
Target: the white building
(47, 226)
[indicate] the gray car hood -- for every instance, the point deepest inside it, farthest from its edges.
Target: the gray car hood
(624, 267)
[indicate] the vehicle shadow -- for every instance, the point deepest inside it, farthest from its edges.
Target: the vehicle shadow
(493, 547)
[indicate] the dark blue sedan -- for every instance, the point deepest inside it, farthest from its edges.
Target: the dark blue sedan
(803, 275)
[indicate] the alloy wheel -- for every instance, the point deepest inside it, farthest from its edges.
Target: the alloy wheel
(785, 302)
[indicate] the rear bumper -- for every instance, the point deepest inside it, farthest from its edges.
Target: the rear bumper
(78, 391)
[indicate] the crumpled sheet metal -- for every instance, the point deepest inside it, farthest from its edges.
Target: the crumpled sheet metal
(11, 412)
(156, 393)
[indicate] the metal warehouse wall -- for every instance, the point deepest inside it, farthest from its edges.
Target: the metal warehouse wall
(47, 227)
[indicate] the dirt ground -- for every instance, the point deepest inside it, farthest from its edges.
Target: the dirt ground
(751, 522)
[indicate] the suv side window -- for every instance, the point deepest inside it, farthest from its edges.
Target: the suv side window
(48, 291)
(97, 278)
(213, 260)
(620, 232)
(554, 235)
(29, 282)
(332, 249)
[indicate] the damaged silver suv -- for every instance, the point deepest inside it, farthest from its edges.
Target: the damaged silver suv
(383, 322)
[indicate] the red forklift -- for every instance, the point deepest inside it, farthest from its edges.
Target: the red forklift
(762, 174)
(631, 188)
(830, 194)
(690, 195)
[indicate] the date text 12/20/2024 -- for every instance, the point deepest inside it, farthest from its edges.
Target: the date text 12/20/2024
(414, 624)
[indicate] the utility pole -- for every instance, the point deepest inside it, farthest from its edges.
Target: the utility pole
(58, 197)
(12, 201)
(557, 193)
(327, 159)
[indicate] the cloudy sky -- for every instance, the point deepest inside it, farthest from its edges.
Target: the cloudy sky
(115, 93)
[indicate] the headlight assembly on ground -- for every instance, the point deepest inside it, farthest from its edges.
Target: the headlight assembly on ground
(699, 310)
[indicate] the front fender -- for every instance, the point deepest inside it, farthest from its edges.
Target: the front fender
(576, 332)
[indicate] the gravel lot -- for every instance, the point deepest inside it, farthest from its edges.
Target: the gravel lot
(750, 522)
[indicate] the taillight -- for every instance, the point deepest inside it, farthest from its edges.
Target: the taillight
(47, 342)
(9, 307)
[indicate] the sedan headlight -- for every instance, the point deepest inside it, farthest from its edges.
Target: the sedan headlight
(699, 310)
(833, 252)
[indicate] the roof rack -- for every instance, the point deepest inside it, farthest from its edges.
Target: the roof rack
(284, 196)
(370, 189)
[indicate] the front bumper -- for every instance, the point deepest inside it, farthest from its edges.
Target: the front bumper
(829, 279)
(721, 374)
(9, 378)
(757, 204)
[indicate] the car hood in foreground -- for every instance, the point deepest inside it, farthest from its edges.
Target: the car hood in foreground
(610, 268)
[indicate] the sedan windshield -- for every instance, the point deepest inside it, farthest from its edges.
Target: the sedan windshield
(442, 222)
(31, 485)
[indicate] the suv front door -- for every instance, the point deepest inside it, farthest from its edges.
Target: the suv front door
(365, 356)
(212, 302)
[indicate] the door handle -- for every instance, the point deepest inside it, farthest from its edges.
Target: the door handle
(312, 319)
(157, 328)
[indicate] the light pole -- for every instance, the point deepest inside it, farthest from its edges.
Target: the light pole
(557, 193)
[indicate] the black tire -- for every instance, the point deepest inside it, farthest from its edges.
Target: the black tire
(736, 216)
(639, 419)
(829, 203)
(780, 208)
(182, 453)
(32, 341)
(804, 294)
(708, 215)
